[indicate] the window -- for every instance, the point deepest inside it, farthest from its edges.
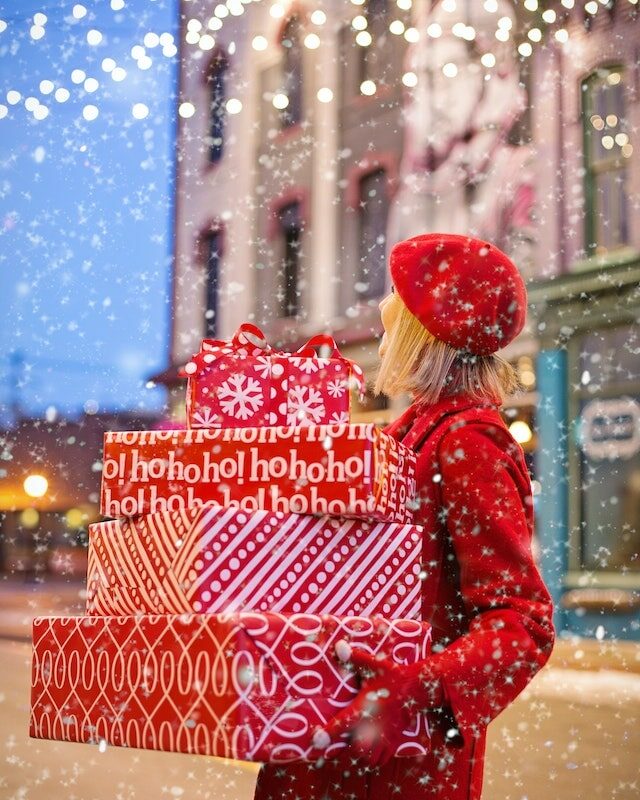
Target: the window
(373, 210)
(291, 232)
(608, 437)
(213, 254)
(373, 59)
(607, 150)
(292, 73)
(216, 84)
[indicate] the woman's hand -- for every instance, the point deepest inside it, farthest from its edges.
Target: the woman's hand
(389, 698)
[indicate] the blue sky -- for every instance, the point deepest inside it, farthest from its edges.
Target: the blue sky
(85, 206)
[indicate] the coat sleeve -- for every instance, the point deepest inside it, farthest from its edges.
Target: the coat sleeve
(511, 634)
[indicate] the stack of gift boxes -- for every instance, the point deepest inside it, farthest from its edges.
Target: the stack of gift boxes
(240, 552)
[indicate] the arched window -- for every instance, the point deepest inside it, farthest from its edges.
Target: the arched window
(217, 97)
(607, 152)
(372, 58)
(211, 244)
(373, 212)
(292, 86)
(290, 225)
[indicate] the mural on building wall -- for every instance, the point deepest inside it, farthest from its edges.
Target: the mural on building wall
(460, 173)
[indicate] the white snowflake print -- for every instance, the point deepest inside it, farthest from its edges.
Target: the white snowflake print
(240, 396)
(205, 418)
(263, 366)
(336, 388)
(339, 418)
(309, 365)
(305, 406)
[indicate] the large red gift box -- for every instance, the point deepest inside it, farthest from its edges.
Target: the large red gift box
(348, 470)
(213, 559)
(248, 686)
(240, 384)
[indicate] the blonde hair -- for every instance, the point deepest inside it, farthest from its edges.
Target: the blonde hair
(417, 363)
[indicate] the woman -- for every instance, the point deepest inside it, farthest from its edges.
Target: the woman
(455, 301)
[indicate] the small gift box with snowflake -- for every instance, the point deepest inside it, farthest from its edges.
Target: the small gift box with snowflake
(244, 383)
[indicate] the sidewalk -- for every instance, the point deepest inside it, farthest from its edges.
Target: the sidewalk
(573, 732)
(20, 602)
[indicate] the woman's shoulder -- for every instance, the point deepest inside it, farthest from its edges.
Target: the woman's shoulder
(481, 438)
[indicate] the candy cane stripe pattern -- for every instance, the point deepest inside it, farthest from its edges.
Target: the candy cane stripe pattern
(249, 686)
(214, 559)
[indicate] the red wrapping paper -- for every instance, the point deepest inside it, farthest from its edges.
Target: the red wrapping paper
(348, 470)
(214, 559)
(238, 384)
(246, 686)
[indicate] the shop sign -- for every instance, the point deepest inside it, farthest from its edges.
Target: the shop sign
(610, 429)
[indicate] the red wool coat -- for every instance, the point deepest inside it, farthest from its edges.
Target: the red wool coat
(490, 610)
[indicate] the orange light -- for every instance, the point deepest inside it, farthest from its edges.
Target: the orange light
(36, 485)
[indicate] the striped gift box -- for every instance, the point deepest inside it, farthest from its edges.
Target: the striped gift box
(212, 559)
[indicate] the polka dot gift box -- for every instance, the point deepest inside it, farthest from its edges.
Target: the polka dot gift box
(245, 383)
(214, 559)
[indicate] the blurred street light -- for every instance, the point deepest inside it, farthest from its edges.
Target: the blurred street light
(36, 485)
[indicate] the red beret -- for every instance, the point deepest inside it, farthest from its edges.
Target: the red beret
(464, 291)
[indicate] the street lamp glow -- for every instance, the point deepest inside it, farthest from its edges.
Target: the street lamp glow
(280, 101)
(368, 88)
(520, 431)
(35, 485)
(312, 41)
(207, 42)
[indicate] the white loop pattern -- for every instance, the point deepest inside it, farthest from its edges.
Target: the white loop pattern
(249, 685)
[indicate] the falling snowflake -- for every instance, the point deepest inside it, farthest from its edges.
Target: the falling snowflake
(305, 406)
(240, 396)
(205, 418)
(336, 388)
(309, 365)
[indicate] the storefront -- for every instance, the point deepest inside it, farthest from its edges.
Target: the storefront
(588, 453)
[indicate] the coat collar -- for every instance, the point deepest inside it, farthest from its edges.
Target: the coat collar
(414, 424)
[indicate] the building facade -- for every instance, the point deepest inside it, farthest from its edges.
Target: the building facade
(586, 304)
(313, 136)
